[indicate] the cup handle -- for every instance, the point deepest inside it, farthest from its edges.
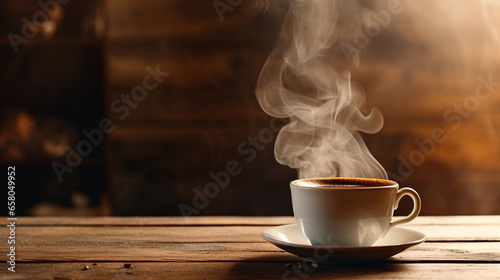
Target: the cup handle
(416, 206)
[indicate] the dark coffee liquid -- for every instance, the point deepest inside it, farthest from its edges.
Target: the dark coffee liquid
(343, 182)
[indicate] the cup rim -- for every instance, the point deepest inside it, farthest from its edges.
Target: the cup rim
(360, 183)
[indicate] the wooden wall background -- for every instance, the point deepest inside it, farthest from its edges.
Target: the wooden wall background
(52, 87)
(194, 121)
(423, 63)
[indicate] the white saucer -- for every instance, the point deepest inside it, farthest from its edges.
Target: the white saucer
(291, 239)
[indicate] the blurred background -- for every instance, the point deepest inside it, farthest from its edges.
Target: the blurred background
(128, 107)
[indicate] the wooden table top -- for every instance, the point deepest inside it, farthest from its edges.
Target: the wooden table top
(457, 247)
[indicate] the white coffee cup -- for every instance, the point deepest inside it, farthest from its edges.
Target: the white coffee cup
(348, 211)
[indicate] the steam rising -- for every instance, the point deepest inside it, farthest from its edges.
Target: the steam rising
(326, 111)
(490, 9)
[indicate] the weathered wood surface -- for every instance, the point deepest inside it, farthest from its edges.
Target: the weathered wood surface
(252, 270)
(135, 247)
(458, 247)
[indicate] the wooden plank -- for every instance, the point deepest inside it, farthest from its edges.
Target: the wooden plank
(156, 221)
(457, 220)
(174, 243)
(459, 232)
(187, 19)
(451, 252)
(186, 134)
(229, 221)
(225, 70)
(131, 251)
(249, 270)
(459, 146)
(208, 104)
(118, 236)
(150, 250)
